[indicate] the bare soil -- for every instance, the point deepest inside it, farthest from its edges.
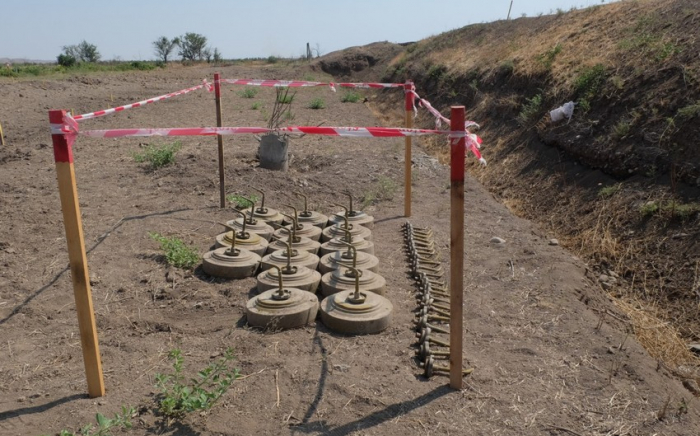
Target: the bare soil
(549, 354)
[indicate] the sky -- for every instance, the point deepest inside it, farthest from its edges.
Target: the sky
(126, 29)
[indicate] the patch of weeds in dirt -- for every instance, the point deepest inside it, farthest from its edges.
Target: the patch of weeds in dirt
(648, 209)
(317, 103)
(621, 129)
(689, 112)
(255, 106)
(176, 253)
(350, 97)
(609, 191)
(158, 156)
(121, 421)
(588, 84)
(241, 202)
(383, 189)
(248, 93)
(682, 211)
(530, 110)
(546, 59)
(283, 96)
(180, 396)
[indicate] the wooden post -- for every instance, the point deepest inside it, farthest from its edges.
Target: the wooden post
(407, 153)
(63, 155)
(2, 137)
(457, 155)
(220, 140)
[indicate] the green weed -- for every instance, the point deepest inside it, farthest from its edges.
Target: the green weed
(180, 396)
(688, 112)
(530, 110)
(283, 96)
(547, 58)
(255, 106)
(588, 84)
(609, 191)
(121, 421)
(317, 103)
(351, 97)
(158, 156)
(240, 202)
(383, 189)
(621, 129)
(176, 253)
(248, 93)
(649, 209)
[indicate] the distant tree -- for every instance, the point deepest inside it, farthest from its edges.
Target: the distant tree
(66, 60)
(193, 47)
(216, 55)
(164, 46)
(83, 52)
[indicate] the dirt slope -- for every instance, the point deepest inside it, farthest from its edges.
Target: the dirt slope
(550, 354)
(618, 184)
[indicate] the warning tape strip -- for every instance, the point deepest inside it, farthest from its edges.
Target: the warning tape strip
(356, 132)
(141, 103)
(300, 83)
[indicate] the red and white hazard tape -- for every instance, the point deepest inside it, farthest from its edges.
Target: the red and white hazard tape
(357, 132)
(140, 103)
(300, 83)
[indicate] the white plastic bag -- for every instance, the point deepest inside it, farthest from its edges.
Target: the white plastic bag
(564, 111)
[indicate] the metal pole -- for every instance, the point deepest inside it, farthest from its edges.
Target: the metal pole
(457, 155)
(68, 191)
(220, 140)
(509, 8)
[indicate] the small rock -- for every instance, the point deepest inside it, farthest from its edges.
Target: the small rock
(613, 274)
(692, 386)
(341, 368)
(528, 251)
(497, 240)
(21, 399)
(606, 285)
(603, 278)
(553, 241)
(94, 279)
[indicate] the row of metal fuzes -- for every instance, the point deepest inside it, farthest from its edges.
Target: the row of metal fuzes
(298, 253)
(433, 298)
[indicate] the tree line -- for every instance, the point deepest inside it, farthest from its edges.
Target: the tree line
(190, 47)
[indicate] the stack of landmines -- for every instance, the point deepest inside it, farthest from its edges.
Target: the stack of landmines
(433, 298)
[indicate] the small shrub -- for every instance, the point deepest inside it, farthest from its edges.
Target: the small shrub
(283, 96)
(688, 112)
(66, 60)
(317, 103)
(248, 92)
(159, 156)
(240, 202)
(272, 59)
(435, 72)
(681, 210)
(621, 129)
(649, 208)
(176, 253)
(547, 58)
(530, 110)
(179, 397)
(350, 97)
(105, 425)
(383, 189)
(609, 191)
(255, 106)
(588, 84)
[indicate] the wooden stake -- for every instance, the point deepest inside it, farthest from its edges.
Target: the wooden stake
(220, 140)
(407, 155)
(2, 137)
(63, 154)
(457, 155)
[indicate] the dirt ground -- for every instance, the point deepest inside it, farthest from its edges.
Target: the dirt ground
(546, 359)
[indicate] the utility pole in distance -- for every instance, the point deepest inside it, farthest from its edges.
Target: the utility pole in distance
(509, 8)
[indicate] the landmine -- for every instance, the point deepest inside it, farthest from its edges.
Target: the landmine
(355, 312)
(266, 214)
(301, 229)
(299, 277)
(250, 241)
(297, 242)
(353, 216)
(314, 218)
(344, 278)
(364, 261)
(339, 229)
(254, 225)
(295, 257)
(231, 262)
(282, 308)
(339, 244)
